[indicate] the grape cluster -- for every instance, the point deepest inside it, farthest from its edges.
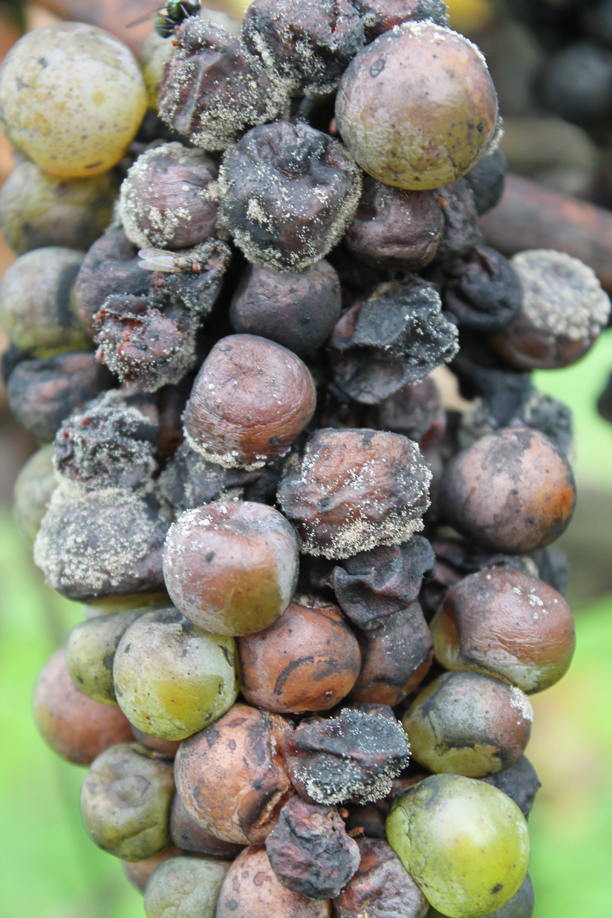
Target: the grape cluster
(315, 598)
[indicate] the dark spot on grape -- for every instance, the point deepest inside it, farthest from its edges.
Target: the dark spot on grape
(497, 888)
(210, 556)
(377, 67)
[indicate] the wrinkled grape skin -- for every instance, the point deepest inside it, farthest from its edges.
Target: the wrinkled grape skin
(171, 678)
(465, 844)
(185, 886)
(71, 98)
(125, 802)
(417, 107)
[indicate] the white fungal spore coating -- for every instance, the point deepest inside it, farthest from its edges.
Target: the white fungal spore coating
(562, 295)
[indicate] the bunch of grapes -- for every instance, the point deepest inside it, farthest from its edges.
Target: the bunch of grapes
(315, 599)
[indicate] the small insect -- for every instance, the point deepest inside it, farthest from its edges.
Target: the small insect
(170, 15)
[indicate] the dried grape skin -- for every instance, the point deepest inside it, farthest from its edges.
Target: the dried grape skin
(288, 193)
(375, 584)
(111, 267)
(44, 393)
(396, 658)
(309, 850)
(213, 90)
(232, 776)
(381, 887)
(396, 335)
(352, 756)
(308, 44)
(166, 200)
(71, 98)
(107, 542)
(395, 229)
(298, 311)
(351, 490)
(109, 443)
(251, 890)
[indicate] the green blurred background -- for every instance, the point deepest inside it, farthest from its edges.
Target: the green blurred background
(48, 867)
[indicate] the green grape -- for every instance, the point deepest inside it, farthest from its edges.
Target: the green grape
(71, 98)
(171, 678)
(90, 651)
(37, 306)
(125, 802)
(110, 604)
(464, 843)
(519, 906)
(152, 60)
(38, 210)
(35, 484)
(185, 886)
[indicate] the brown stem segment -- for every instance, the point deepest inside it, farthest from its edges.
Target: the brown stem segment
(533, 217)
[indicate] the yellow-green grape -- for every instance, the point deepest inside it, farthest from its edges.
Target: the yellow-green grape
(465, 844)
(172, 679)
(417, 107)
(90, 651)
(468, 724)
(185, 886)
(519, 906)
(38, 209)
(71, 98)
(125, 802)
(112, 604)
(35, 484)
(153, 56)
(37, 305)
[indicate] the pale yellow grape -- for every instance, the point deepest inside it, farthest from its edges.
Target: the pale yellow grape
(71, 98)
